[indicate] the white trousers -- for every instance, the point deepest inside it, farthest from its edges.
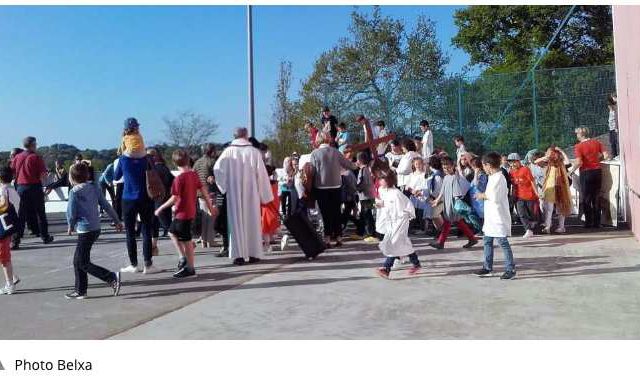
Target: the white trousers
(548, 215)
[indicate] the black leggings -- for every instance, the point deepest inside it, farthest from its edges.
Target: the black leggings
(285, 203)
(590, 185)
(82, 265)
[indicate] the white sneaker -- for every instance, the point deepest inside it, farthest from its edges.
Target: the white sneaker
(151, 269)
(130, 269)
(528, 234)
(268, 250)
(284, 242)
(8, 290)
(560, 230)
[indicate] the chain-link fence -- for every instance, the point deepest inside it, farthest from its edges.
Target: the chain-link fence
(512, 112)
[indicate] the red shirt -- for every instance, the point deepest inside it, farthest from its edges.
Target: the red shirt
(186, 187)
(589, 152)
(28, 168)
(522, 180)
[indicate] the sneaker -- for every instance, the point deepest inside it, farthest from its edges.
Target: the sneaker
(115, 285)
(239, 261)
(253, 260)
(223, 252)
(8, 290)
(436, 245)
(528, 234)
(48, 240)
(470, 244)
(560, 230)
(371, 239)
(182, 262)
(356, 237)
(151, 269)
(16, 280)
(130, 269)
(546, 230)
(75, 295)
(382, 272)
(484, 273)
(184, 273)
(508, 275)
(284, 242)
(414, 270)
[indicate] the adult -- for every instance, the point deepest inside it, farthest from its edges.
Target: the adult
(241, 174)
(136, 203)
(395, 155)
(204, 168)
(589, 152)
(60, 180)
(427, 139)
(106, 183)
(382, 132)
(30, 171)
(119, 186)
(312, 130)
(612, 104)
(328, 163)
(458, 140)
(369, 133)
(405, 166)
(329, 122)
(164, 219)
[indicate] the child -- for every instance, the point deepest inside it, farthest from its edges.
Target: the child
(417, 190)
(83, 217)
(269, 213)
(349, 198)
(454, 188)
(524, 193)
(458, 140)
(434, 185)
(364, 184)
(555, 189)
(395, 212)
(132, 143)
(478, 185)
(184, 195)
(342, 139)
(497, 224)
(8, 196)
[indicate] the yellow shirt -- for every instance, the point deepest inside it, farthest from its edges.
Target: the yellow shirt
(133, 143)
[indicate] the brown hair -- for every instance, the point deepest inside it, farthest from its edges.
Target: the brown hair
(390, 177)
(492, 159)
(79, 173)
(180, 158)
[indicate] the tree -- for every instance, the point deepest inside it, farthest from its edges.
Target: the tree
(506, 38)
(373, 69)
(189, 130)
(286, 133)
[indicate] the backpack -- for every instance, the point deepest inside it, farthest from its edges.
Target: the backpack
(8, 219)
(155, 188)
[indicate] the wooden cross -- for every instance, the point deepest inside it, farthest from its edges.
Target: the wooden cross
(371, 145)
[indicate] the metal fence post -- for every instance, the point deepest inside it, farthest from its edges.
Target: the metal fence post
(535, 108)
(460, 105)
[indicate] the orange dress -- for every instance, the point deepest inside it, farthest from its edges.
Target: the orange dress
(271, 213)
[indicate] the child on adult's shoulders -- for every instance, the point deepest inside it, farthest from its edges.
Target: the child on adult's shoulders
(132, 142)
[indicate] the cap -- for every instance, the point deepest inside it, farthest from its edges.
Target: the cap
(131, 123)
(513, 156)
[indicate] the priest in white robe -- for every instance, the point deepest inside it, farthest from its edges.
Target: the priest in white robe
(241, 174)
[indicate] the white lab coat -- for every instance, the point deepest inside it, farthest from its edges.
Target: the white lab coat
(241, 174)
(497, 217)
(393, 221)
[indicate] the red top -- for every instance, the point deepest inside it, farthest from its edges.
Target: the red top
(589, 152)
(28, 168)
(522, 180)
(186, 187)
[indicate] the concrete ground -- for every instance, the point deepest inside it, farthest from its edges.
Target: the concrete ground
(577, 286)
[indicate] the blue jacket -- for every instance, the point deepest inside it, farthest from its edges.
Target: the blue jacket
(135, 182)
(107, 176)
(82, 209)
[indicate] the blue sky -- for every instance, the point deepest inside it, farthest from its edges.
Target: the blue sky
(73, 74)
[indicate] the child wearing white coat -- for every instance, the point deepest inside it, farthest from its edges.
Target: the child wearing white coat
(497, 224)
(394, 214)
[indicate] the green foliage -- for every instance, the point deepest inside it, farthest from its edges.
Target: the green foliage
(505, 38)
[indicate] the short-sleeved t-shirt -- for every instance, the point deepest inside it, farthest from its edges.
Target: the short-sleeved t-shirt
(589, 152)
(28, 168)
(186, 187)
(523, 180)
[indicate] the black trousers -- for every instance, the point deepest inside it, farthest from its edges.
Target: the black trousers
(613, 140)
(285, 203)
(221, 221)
(32, 207)
(117, 205)
(82, 265)
(347, 215)
(112, 194)
(366, 223)
(590, 185)
(329, 204)
(131, 209)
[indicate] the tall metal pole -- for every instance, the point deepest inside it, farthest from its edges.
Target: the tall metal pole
(252, 113)
(535, 109)
(460, 115)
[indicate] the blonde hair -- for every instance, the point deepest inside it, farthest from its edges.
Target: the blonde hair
(322, 137)
(583, 132)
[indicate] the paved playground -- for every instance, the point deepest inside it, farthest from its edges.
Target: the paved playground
(578, 286)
